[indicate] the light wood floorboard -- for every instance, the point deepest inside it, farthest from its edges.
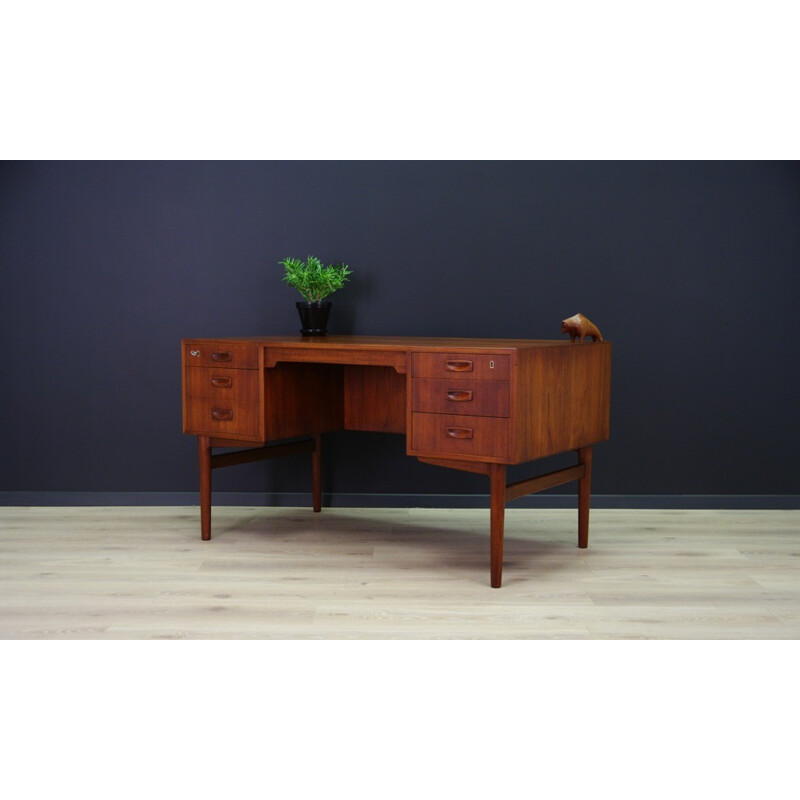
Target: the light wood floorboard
(278, 573)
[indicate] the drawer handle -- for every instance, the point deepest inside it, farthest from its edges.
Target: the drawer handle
(459, 366)
(222, 413)
(195, 353)
(459, 433)
(460, 396)
(222, 383)
(226, 356)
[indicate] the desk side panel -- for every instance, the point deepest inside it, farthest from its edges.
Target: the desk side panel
(562, 399)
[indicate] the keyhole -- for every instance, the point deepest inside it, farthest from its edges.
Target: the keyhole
(491, 365)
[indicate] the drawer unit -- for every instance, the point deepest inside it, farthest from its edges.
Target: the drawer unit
(460, 434)
(220, 354)
(460, 405)
(474, 397)
(458, 366)
(222, 402)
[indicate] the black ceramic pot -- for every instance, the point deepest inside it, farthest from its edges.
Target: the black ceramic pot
(314, 317)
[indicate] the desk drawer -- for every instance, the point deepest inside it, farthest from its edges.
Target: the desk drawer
(220, 354)
(222, 401)
(446, 434)
(461, 366)
(443, 396)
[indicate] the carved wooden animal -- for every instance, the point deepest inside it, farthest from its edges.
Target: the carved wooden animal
(580, 327)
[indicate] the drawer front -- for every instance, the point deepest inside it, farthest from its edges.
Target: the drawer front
(473, 397)
(220, 354)
(461, 366)
(222, 401)
(460, 434)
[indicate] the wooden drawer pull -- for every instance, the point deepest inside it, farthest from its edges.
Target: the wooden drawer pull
(459, 433)
(460, 396)
(226, 356)
(459, 366)
(222, 383)
(222, 413)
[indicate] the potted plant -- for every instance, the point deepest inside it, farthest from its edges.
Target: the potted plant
(314, 281)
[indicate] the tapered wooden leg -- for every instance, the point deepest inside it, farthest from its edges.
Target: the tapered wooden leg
(316, 473)
(497, 499)
(204, 453)
(584, 494)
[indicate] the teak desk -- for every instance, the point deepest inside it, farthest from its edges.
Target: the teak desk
(470, 404)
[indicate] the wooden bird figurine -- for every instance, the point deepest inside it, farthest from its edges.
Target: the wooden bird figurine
(579, 326)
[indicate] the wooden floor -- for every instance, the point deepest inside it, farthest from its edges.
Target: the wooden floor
(278, 573)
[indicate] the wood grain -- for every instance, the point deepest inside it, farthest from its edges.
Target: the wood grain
(281, 573)
(562, 399)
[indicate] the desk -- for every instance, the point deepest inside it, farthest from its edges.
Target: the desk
(477, 405)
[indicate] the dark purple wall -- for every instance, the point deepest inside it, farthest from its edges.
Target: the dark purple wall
(691, 269)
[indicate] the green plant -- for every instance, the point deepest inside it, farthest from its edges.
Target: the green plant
(312, 279)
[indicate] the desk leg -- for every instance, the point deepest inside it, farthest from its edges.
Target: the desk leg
(316, 473)
(497, 490)
(204, 453)
(584, 494)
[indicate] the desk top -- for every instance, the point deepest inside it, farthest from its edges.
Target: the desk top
(403, 343)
